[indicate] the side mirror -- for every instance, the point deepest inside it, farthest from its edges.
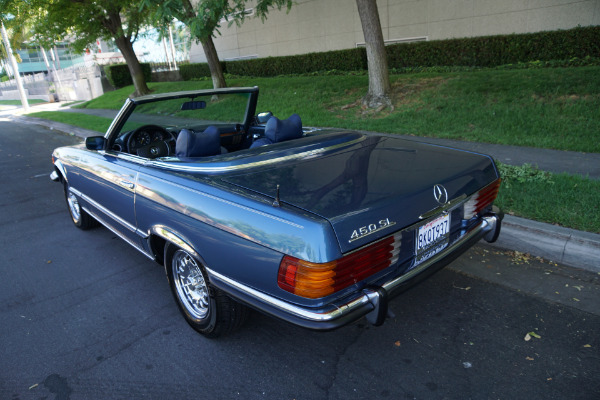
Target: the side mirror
(263, 117)
(95, 143)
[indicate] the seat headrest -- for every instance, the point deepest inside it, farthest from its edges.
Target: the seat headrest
(278, 130)
(192, 144)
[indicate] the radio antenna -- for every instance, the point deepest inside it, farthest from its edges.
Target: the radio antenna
(276, 202)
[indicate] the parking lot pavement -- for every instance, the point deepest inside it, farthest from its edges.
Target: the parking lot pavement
(549, 280)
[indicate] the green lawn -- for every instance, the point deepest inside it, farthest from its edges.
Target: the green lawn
(556, 108)
(91, 122)
(562, 199)
(18, 102)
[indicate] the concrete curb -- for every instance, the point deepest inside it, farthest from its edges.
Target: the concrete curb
(556, 243)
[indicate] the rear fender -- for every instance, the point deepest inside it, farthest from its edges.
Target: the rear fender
(175, 238)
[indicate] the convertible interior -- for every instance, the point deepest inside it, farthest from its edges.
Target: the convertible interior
(154, 141)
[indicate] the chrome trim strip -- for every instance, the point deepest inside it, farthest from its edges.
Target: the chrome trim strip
(59, 165)
(170, 236)
(368, 298)
(119, 118)
(128, 157)
(116, 232)
(449, 206)
(109, 213)
(305, 154)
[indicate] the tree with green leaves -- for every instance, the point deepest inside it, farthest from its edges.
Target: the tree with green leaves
(18, 33)
(4, 60)
(203, 18)
(89, 20)
(85, 21)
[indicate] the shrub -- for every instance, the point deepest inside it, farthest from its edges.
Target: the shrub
(343, 60)
(118, 74)
(577, 46)
(197, 70)
(525, 173)
(492, 51)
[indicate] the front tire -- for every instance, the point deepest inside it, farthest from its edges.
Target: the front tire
(207, 309)
(80, 218)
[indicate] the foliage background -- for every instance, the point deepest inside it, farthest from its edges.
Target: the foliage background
(486, 51)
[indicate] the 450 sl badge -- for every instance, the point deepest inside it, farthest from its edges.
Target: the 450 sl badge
(370, 229)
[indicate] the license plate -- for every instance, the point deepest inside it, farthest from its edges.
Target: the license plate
(432, 237)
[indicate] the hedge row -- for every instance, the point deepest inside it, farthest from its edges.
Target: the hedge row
(343, 60)
(118, 74)
(484, 51)
(491, 51)
(196, 70)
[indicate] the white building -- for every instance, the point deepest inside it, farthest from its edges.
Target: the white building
(323, 25)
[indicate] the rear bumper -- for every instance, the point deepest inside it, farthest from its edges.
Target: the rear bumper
(372, 301)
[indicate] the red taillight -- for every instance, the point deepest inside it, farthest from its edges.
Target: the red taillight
(481, 200)
(314, 280)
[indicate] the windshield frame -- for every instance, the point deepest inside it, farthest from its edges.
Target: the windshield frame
(128, 108)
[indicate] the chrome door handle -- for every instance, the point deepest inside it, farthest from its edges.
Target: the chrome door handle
(127, 184)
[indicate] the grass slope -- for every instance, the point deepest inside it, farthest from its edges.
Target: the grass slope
(91, 122)
(562, 199)
(555, 108)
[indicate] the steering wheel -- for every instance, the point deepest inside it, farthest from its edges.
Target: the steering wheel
(150, 141)
(159, 148)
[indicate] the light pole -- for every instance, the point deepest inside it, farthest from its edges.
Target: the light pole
(15, 67)
(172, 46)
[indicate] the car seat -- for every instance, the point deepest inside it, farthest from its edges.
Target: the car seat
(191, 144)
(278, 130)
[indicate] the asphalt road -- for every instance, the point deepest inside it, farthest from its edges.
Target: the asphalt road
(84, 316)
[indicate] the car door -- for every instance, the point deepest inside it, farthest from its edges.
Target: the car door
(106, 182)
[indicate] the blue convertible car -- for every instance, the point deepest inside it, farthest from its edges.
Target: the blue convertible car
(316, 227)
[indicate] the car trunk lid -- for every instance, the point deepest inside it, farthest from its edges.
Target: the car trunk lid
(376, 186)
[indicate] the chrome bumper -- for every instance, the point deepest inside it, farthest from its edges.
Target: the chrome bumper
(372, 301)
(54, 176)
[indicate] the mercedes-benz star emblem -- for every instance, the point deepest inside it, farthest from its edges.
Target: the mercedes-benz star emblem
(440, 194)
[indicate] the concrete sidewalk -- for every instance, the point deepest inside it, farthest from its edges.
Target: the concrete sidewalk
(557, 161)
(562, 245)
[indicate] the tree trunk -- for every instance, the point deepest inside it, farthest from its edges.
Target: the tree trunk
(379, 79)
(135, 69)
(216, 72)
